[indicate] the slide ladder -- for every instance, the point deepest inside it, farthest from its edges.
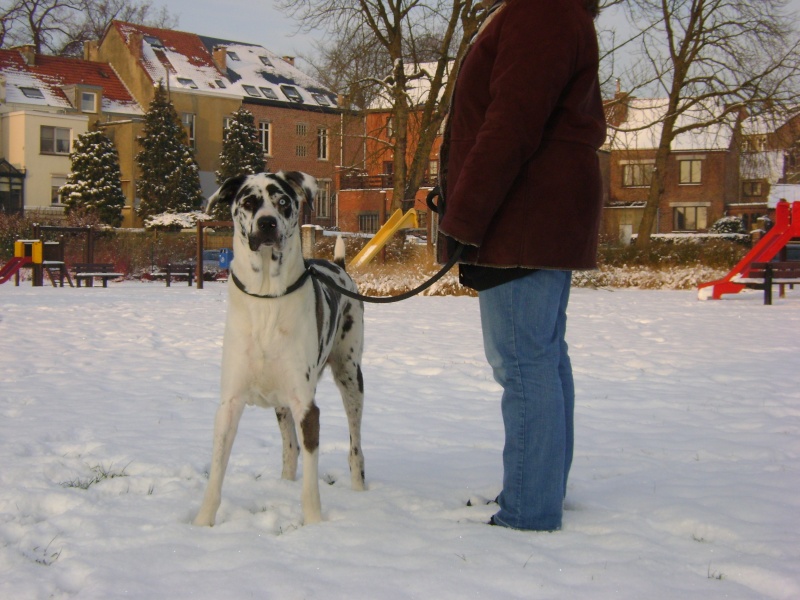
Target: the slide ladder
(787, 226)
(397, 221)
(11, 267)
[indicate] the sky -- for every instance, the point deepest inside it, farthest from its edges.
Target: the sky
(255, 22)
(685, 483)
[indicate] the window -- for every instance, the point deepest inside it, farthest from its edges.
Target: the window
(220, 83)
(188, 120)
(390, 127)
(751, 188)
(637, 174)
(88, 102)
(291, 93)
(301, 130)
(54, 140)
(233, 56)
(433, 169)
(251, 91)
(321, 99)
(322, 143)
(265, 61)
(691, 171)
(265, 137)
(56, 181)
(301, 151)
(323, 201)
(368, 222)
(269, 93)
(226, 125)
(187, 82)
(690, 218)
(30, 92)
(153, 41)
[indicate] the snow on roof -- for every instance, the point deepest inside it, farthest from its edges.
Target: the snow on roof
(642, 128)
(43, 83)
(417, 88)
(762, 165)
(785, 191)
(250, 71)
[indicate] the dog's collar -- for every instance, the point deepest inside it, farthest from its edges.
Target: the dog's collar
(292, 288)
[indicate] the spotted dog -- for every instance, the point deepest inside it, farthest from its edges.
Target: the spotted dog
(283, 328)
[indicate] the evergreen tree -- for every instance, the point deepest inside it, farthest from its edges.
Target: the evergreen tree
(94, 185)
(241, 153)
(169, 180)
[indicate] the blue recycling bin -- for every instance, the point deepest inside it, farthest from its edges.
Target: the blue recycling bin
(225, 258)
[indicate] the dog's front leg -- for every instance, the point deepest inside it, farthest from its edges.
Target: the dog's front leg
(226, 424)
(291, 450)
(309, 438)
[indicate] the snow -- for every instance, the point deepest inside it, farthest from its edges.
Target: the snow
(685, 482)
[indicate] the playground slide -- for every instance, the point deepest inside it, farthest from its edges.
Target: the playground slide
(787, 226)
(12, 266)
(397, 221)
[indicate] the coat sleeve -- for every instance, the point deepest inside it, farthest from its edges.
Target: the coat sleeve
(535, 49)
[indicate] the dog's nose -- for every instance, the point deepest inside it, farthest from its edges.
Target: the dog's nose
(267, 224)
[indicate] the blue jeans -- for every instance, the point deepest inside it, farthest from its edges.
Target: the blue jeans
(524, 322)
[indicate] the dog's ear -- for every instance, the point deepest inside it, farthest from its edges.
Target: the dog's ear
(226, 193)
(305, 184)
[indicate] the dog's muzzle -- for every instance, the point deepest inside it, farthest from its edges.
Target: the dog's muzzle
(266, 233)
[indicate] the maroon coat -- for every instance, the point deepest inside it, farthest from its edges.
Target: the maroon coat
(522, 178)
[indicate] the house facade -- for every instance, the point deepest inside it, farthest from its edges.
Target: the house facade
(299, 123)
(45, 103)
(702, 178)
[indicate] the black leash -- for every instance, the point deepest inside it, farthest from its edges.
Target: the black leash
(322, 278)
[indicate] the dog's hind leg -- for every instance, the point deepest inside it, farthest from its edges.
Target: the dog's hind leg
(225, 425)
(309, 438)
(350, 382)
(291, 450)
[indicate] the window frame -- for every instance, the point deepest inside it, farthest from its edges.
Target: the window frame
(687, 218)
(84, 97)
(323, 199)
(323, 135)
(693, 175)
(55, 139)
(265, 127)
(638, 174)
(189, 122)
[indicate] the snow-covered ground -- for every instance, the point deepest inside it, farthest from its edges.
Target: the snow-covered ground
(686, 482)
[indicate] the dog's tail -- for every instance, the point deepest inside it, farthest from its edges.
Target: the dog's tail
(338, 251)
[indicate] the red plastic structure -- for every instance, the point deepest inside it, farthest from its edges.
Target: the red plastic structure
(787, 226)
(12, 266)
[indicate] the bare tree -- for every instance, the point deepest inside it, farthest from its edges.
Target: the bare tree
(60, 27)
(722, 59)
(402, 35)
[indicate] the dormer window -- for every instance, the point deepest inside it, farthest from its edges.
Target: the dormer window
(220, 83)
(233, 56)
(153, 41)
(187, 82)
(291, 93)
(269, 93)
(30, 92)
(321, 99)
(251, 91)
(88, 102)
(265, 61)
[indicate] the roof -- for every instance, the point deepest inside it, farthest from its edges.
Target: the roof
(51, 74)
(418, 88)
(783, 191)
(251, 71)
(642, 128)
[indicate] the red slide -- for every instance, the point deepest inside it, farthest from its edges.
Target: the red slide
(12, 266)
(787, 226)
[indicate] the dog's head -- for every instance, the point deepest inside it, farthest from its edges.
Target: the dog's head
(266, 207)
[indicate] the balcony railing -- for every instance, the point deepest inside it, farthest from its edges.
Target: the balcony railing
(375, 182)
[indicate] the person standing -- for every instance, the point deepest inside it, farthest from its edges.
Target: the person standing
(522, 189)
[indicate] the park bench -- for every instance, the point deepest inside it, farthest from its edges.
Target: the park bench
(89, 271)
(178, 271)
(762, 276)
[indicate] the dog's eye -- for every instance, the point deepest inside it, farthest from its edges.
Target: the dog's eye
(248, 204)
(283, 202)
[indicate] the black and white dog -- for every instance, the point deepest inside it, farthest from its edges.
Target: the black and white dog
(282, 329)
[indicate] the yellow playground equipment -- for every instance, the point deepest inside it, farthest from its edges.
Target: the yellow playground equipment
(396, 222)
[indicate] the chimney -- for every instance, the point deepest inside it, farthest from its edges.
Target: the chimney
(91, 50)
(28, 54)
(135, 42)
(288, 59)
(220, 57)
